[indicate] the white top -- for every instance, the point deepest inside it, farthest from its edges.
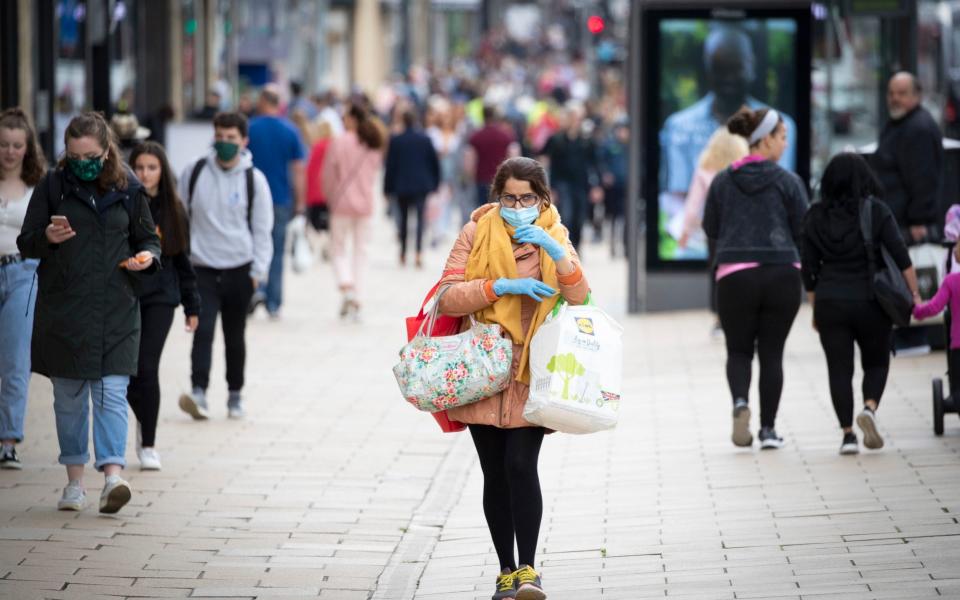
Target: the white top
(12, 213)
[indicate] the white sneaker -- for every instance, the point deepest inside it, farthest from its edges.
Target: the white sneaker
(867, 421)
(235, 412)
(74, 497)
(149, 459)
(194, 405)
(116, 493)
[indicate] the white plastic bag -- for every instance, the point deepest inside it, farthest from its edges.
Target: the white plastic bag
(299, 246)
(576, 368)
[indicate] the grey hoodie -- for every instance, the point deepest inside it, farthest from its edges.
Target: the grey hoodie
(220, 237)
(755, 214)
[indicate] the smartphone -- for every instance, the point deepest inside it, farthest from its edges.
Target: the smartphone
(60, 221)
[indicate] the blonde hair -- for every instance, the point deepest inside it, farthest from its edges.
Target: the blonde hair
(722, 150)
(323, 130)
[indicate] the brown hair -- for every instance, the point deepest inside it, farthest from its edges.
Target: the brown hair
(368, 132)
(171, 218)
(34, 164)
(746, 121)
(524, 169)
(92, 124)
(231, 120)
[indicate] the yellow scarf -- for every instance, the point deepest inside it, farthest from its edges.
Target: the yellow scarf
(492, 258)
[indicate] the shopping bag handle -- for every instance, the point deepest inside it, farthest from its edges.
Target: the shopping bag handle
(436, 286)
(563, 301)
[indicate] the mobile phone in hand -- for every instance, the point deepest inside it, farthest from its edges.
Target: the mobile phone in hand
(60, 221)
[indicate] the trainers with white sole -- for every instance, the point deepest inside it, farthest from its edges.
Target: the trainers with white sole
(116, 493)
(74, 497)
(149, 459)
(195, 405)
(867, 422)
(741, 424)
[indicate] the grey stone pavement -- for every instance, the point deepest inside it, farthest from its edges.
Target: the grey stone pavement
(334, 487)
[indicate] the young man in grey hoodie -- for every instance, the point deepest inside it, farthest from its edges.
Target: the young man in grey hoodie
(231, 219)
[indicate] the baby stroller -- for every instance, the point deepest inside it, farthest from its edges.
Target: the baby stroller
(951, 403)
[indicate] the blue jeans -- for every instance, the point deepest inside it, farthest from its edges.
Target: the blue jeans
(17, 300)
(71, 403)
(273, 288)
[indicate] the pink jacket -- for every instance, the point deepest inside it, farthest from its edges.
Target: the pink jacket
(505, 409)
(948, 294)
(349, 173)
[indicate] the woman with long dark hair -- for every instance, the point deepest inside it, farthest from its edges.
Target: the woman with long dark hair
(21, 168)
(160, 294)
(510, 265)
(836, 276)
(90, 225)
(350, 167)
(753, 214)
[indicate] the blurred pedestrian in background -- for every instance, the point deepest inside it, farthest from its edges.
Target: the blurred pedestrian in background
(488, 147)
(90, 225)
(753, 213)
(837, 277)
(318, 212)
(160, 294)
(571, 157)
(412, 171)
(447, 139)
(350, 169)
(279, 154)
(231, 218)
(22, 166)
(614, 159)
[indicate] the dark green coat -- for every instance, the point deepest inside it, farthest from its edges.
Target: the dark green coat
(87, 320)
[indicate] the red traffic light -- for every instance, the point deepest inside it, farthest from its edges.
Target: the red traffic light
(595, 24)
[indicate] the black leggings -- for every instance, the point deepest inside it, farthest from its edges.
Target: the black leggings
(227, 293)
(512, 502)
(842, 323)
(417, 203)
(143, 393)
(756, 308)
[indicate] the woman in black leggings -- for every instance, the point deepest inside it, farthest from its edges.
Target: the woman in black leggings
(753, 214)
(160, 294)
(836, 276)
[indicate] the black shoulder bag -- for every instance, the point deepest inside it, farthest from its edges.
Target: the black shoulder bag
(889, 287)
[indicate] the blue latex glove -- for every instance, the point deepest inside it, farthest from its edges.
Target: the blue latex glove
(534, 234)
(534, 288)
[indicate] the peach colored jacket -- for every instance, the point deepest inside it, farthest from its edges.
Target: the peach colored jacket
(505, 409)
(348, 177)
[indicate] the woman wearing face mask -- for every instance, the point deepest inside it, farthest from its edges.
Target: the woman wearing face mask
(160, 294)
(21, 167)
(510, 265)
(753, 214)
(89, 224)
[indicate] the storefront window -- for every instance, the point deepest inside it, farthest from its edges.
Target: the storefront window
(69, 71)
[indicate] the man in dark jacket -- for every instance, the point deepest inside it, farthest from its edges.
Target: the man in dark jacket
(909, 160)
(412, 171)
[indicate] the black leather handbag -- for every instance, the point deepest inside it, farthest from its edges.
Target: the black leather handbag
(889, 287)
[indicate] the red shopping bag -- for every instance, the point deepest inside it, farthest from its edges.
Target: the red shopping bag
(443, 325)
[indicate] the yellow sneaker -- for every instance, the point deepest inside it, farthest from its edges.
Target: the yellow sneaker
(506, 586)
(528, 584)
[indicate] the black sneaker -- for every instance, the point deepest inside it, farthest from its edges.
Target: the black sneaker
(769, 440)
(850, 445)
(867, 421)
(506, 585)
(9, 459)
(741, 423)
(258, 298)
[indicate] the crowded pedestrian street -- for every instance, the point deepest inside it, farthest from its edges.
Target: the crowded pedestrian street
(335, 487)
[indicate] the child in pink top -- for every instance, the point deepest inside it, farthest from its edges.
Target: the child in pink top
(949, 292)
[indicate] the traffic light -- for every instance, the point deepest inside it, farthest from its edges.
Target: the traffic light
(596, 24)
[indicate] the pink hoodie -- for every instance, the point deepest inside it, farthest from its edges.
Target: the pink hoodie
(349, 175)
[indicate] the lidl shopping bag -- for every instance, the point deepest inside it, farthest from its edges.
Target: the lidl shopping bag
(576, 367)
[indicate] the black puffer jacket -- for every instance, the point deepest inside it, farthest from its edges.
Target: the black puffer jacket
(87, 320)
(834, 254)
(175, 283)
(754, 213)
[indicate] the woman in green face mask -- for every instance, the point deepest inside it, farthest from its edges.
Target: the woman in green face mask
(90, 225)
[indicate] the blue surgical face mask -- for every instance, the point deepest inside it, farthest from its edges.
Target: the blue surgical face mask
(516, 217)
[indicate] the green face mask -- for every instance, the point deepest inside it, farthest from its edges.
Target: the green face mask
(226, 151)
(86, 169)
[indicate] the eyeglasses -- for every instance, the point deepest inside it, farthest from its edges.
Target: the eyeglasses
(525, 201)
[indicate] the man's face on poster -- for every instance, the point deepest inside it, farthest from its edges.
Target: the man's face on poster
(728, 73)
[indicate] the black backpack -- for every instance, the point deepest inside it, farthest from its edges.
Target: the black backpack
(195, 175)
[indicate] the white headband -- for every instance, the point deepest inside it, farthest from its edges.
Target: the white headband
(766, 126)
